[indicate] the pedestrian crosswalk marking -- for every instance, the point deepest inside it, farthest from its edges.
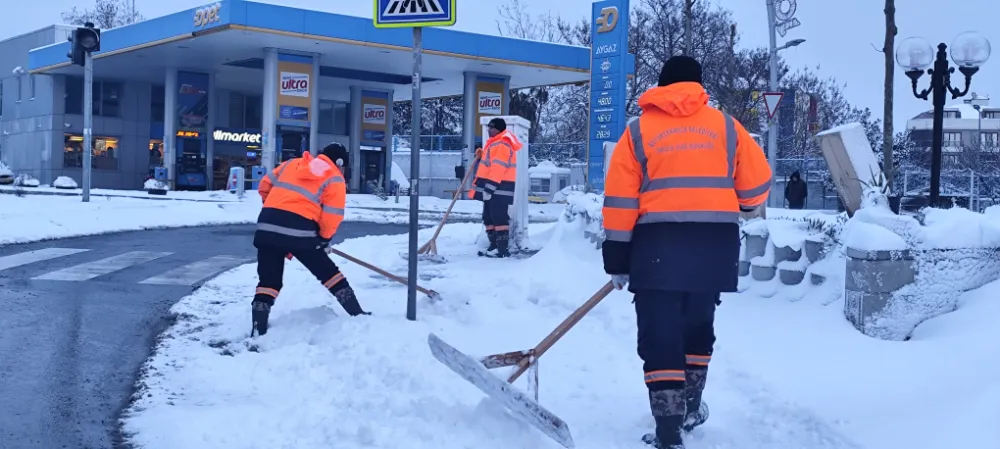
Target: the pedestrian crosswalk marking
(192, 273)
(402, 8)
(90, 270)
(38, 255)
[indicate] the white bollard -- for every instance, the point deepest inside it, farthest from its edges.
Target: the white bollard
(237, 181)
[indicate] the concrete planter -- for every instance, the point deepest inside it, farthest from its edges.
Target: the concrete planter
(814, 250)
(791, 277)
(762, 273)
(756, 245)
(744, 268)
(889, 293)
(786, 254)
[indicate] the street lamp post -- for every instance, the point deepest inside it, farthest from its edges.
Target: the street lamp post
(969, 51)
(772, 131)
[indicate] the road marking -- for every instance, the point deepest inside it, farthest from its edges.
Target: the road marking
(38, 255)
(90, 270)
(193, 273)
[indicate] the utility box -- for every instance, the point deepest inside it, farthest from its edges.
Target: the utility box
(258, 173)
(519, 210)
(852, 163)
(237, 181)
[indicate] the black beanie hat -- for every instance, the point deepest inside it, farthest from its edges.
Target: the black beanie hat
(336, 151)
(679, 69)
(498, 124)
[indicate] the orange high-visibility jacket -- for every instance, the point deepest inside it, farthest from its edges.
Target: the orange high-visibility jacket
(682, 161)
(502, 175)
(303, 198)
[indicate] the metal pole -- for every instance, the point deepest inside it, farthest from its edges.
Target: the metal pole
(772, 85)
(411, 279)
(88, 120)
(937, 138)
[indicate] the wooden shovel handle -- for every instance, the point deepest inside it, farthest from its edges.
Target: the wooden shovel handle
(561, 330)
(378, 270)
(454, 199)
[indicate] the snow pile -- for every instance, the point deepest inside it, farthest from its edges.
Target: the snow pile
(587, 209)
(64, 182)
(155, 184)
(25, 180)
(323, 380)
(545, 170)
(399, 176)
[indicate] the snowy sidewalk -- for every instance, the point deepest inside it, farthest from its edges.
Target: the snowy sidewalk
(785, 375)
(41, 217)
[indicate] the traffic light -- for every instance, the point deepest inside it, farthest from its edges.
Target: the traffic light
(83, 40)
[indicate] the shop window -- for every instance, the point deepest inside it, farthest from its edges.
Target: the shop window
(333, 117)
(540, 185)
(104, 154)
(74, 95)
(31, 84)
(20, 88)
(157, 103)
(1, 98)
(245, 111)
(106, 97)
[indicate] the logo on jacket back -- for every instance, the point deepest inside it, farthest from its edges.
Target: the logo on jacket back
(373, 114)
(490, 102)
(607, 20)
(294, 84)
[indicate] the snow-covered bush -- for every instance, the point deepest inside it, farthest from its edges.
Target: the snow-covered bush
(64, 182)
(560, 196)
(25, 180)
(587, 207)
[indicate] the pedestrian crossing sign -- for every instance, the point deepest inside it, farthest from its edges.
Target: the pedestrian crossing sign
(414, 13)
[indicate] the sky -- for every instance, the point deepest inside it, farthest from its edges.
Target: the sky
(839, 35)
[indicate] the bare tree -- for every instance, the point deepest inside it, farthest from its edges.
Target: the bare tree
(105, 14)
(890, 71)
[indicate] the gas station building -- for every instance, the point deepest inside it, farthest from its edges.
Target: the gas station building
(239, 83)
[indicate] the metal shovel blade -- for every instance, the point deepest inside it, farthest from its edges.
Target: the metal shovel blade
(513, 399)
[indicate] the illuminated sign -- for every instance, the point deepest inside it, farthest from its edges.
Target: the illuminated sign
(607, 20)
(294, 84)
(187, 134)
(208, 15)
(226, 136)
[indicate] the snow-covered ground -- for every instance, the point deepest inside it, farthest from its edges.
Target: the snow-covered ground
(785, 375)
(39, 217)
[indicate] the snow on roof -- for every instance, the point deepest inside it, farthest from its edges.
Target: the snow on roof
(545, 169)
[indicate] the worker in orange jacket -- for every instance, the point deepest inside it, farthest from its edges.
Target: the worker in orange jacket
(494, 185)
(303, 207)
(676, 183)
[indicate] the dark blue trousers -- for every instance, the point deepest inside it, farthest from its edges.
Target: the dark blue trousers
(676, 333)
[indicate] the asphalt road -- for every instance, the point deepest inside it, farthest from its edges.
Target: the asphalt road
(79, 316)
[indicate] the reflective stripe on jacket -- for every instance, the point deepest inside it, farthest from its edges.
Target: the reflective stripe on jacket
(682, 161)
(303, 198)
(502, 150)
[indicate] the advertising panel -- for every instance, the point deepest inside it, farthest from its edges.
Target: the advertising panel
(489, 98)
(294, 89)
(192, 101)
(374, 117)
(608, 74)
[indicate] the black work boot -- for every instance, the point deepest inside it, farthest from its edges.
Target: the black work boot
(492, 235)
(503, 243)
(697, 409)
(345, 296)
(668, 411)
(260, 311)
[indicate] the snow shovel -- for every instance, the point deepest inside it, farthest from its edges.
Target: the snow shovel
(477, 372)
(430, 293)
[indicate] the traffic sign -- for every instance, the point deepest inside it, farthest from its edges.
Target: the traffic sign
(771, 101)
(414, 13)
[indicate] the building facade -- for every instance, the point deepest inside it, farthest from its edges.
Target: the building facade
(256, 85)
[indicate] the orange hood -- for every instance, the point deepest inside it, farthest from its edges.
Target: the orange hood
(678, 99)
(507, 136)
(320, 167)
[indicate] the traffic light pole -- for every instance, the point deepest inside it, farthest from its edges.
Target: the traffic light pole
(88, 122)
